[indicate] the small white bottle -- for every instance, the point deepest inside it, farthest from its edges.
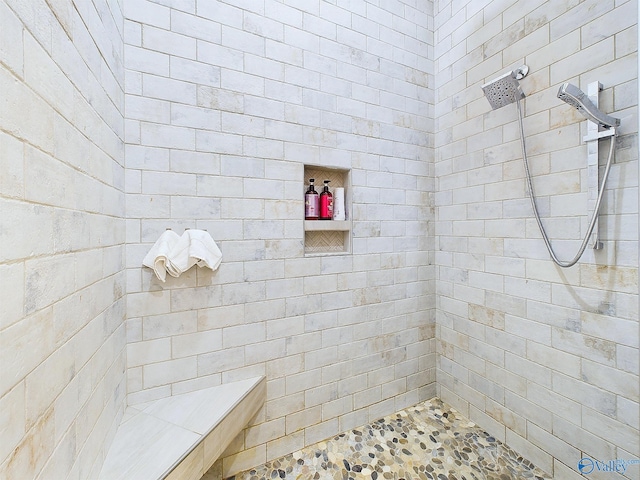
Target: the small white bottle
(338, 204)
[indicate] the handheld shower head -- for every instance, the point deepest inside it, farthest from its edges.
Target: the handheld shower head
(577, 98)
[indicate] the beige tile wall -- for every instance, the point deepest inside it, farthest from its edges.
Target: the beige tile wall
(544, 358)
(62, 304)
(226, 103)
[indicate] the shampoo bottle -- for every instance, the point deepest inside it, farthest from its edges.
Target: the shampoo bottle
(311, 202)
(326, 203)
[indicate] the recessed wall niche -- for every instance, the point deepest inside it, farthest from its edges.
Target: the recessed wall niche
(328, 237)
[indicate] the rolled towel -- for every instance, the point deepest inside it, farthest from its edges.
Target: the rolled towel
(195, 247)
(157, 257)
(204, 249)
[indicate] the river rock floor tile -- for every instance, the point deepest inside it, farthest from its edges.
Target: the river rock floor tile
(429, 441)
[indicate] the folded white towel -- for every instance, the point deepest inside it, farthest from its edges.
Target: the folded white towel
(195, 247)
(159, 253)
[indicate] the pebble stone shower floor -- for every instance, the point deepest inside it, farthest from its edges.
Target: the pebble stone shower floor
(430, 441)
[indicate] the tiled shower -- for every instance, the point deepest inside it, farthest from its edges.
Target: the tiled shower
(122, 118)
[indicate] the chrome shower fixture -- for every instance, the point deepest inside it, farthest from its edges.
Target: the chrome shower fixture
(506, 88)
(577, 98)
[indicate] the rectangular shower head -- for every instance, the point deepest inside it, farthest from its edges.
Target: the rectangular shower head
(503, 90)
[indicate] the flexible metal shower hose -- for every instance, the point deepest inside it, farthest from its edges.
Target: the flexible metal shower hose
(594, 217)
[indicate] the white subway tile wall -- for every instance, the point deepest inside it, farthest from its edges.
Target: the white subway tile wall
(532, 352)
(227, 103)
(121, 119)
(62, 267)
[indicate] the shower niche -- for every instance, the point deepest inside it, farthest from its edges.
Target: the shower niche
(328, 237)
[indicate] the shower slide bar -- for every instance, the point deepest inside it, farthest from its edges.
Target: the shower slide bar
(506, 89)
(593, 171)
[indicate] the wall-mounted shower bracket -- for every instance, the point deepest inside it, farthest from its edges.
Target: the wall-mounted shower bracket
(598, 135)
(520, 72)
(593, 171)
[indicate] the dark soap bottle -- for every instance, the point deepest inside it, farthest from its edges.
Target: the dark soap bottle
(311, 202)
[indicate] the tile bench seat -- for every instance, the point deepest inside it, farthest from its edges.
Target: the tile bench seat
(180, 437)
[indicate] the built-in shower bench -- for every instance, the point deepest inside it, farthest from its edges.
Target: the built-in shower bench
(180, 437)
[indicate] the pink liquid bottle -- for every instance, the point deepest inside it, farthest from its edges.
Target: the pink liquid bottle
(326, 203)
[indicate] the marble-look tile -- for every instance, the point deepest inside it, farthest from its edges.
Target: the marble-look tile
(190, 467)
(181, 436)
(230, 426)
(429, 441)
(143, 448)
(199, 411)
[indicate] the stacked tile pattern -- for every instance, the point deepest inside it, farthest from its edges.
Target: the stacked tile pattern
(62, 233)
(226, 102)
(546, 359)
